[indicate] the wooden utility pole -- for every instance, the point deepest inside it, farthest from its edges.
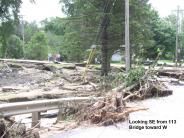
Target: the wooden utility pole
(178, 49)
(127, 39)
(177, 37)
(23, 34)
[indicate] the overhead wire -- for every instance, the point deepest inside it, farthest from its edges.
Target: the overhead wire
(99, 32)
(93, 50)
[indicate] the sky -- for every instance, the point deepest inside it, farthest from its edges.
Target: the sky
(166, 7)
(40, 10)
(51, 8)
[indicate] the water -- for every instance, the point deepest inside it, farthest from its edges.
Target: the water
(162, 109)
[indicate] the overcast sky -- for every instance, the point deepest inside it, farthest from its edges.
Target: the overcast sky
(51, 8)
(166, 7)
(41, 10)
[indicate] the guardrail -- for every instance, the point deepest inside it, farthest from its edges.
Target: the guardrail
(35, 107)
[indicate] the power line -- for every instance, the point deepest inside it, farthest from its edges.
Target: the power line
(98, 34)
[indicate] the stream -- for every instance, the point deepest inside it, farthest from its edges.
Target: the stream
(165, 111)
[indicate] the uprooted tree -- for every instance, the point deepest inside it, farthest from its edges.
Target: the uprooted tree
(113, 108)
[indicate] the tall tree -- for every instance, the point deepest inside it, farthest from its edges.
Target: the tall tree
(9, 10)
(104, 39)
(109, 15)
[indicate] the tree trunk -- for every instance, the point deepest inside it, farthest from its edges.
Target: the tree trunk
(104, 51)
(105, 65)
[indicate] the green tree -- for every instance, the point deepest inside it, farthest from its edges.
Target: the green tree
(37, 48)
(55, 29)
(54, 25)
(6, 29)
(9, 10)
(164, 36)
(102, 23)
(14, 47)
(29, 30)
(9, 18)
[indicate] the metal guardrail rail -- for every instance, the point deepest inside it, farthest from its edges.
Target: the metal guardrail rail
(35, 107)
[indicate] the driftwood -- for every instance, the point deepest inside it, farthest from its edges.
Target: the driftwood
(113, 109)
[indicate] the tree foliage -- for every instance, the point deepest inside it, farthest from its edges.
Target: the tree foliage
(14, 47)
(88, 22)
(37, 48)
(9, 10)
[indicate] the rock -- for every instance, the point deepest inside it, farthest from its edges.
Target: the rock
(47, 68)
(17, 66)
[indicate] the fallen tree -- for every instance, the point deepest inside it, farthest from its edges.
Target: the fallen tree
(113, 108)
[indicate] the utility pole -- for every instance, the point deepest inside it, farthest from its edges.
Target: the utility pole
(178, 31)
(127, 39)
(22, 32)
(177, 37)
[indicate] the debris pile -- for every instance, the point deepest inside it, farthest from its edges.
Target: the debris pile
(113, 108)
(12, 129)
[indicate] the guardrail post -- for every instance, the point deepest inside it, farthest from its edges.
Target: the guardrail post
(36, 119)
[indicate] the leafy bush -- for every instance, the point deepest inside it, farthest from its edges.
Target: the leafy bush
(134, 75)
(128, 79)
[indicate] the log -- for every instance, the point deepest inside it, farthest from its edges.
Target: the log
(176, 75)
(24, 61)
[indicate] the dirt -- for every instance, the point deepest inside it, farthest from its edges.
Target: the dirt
(46, 81)
(34, 81)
